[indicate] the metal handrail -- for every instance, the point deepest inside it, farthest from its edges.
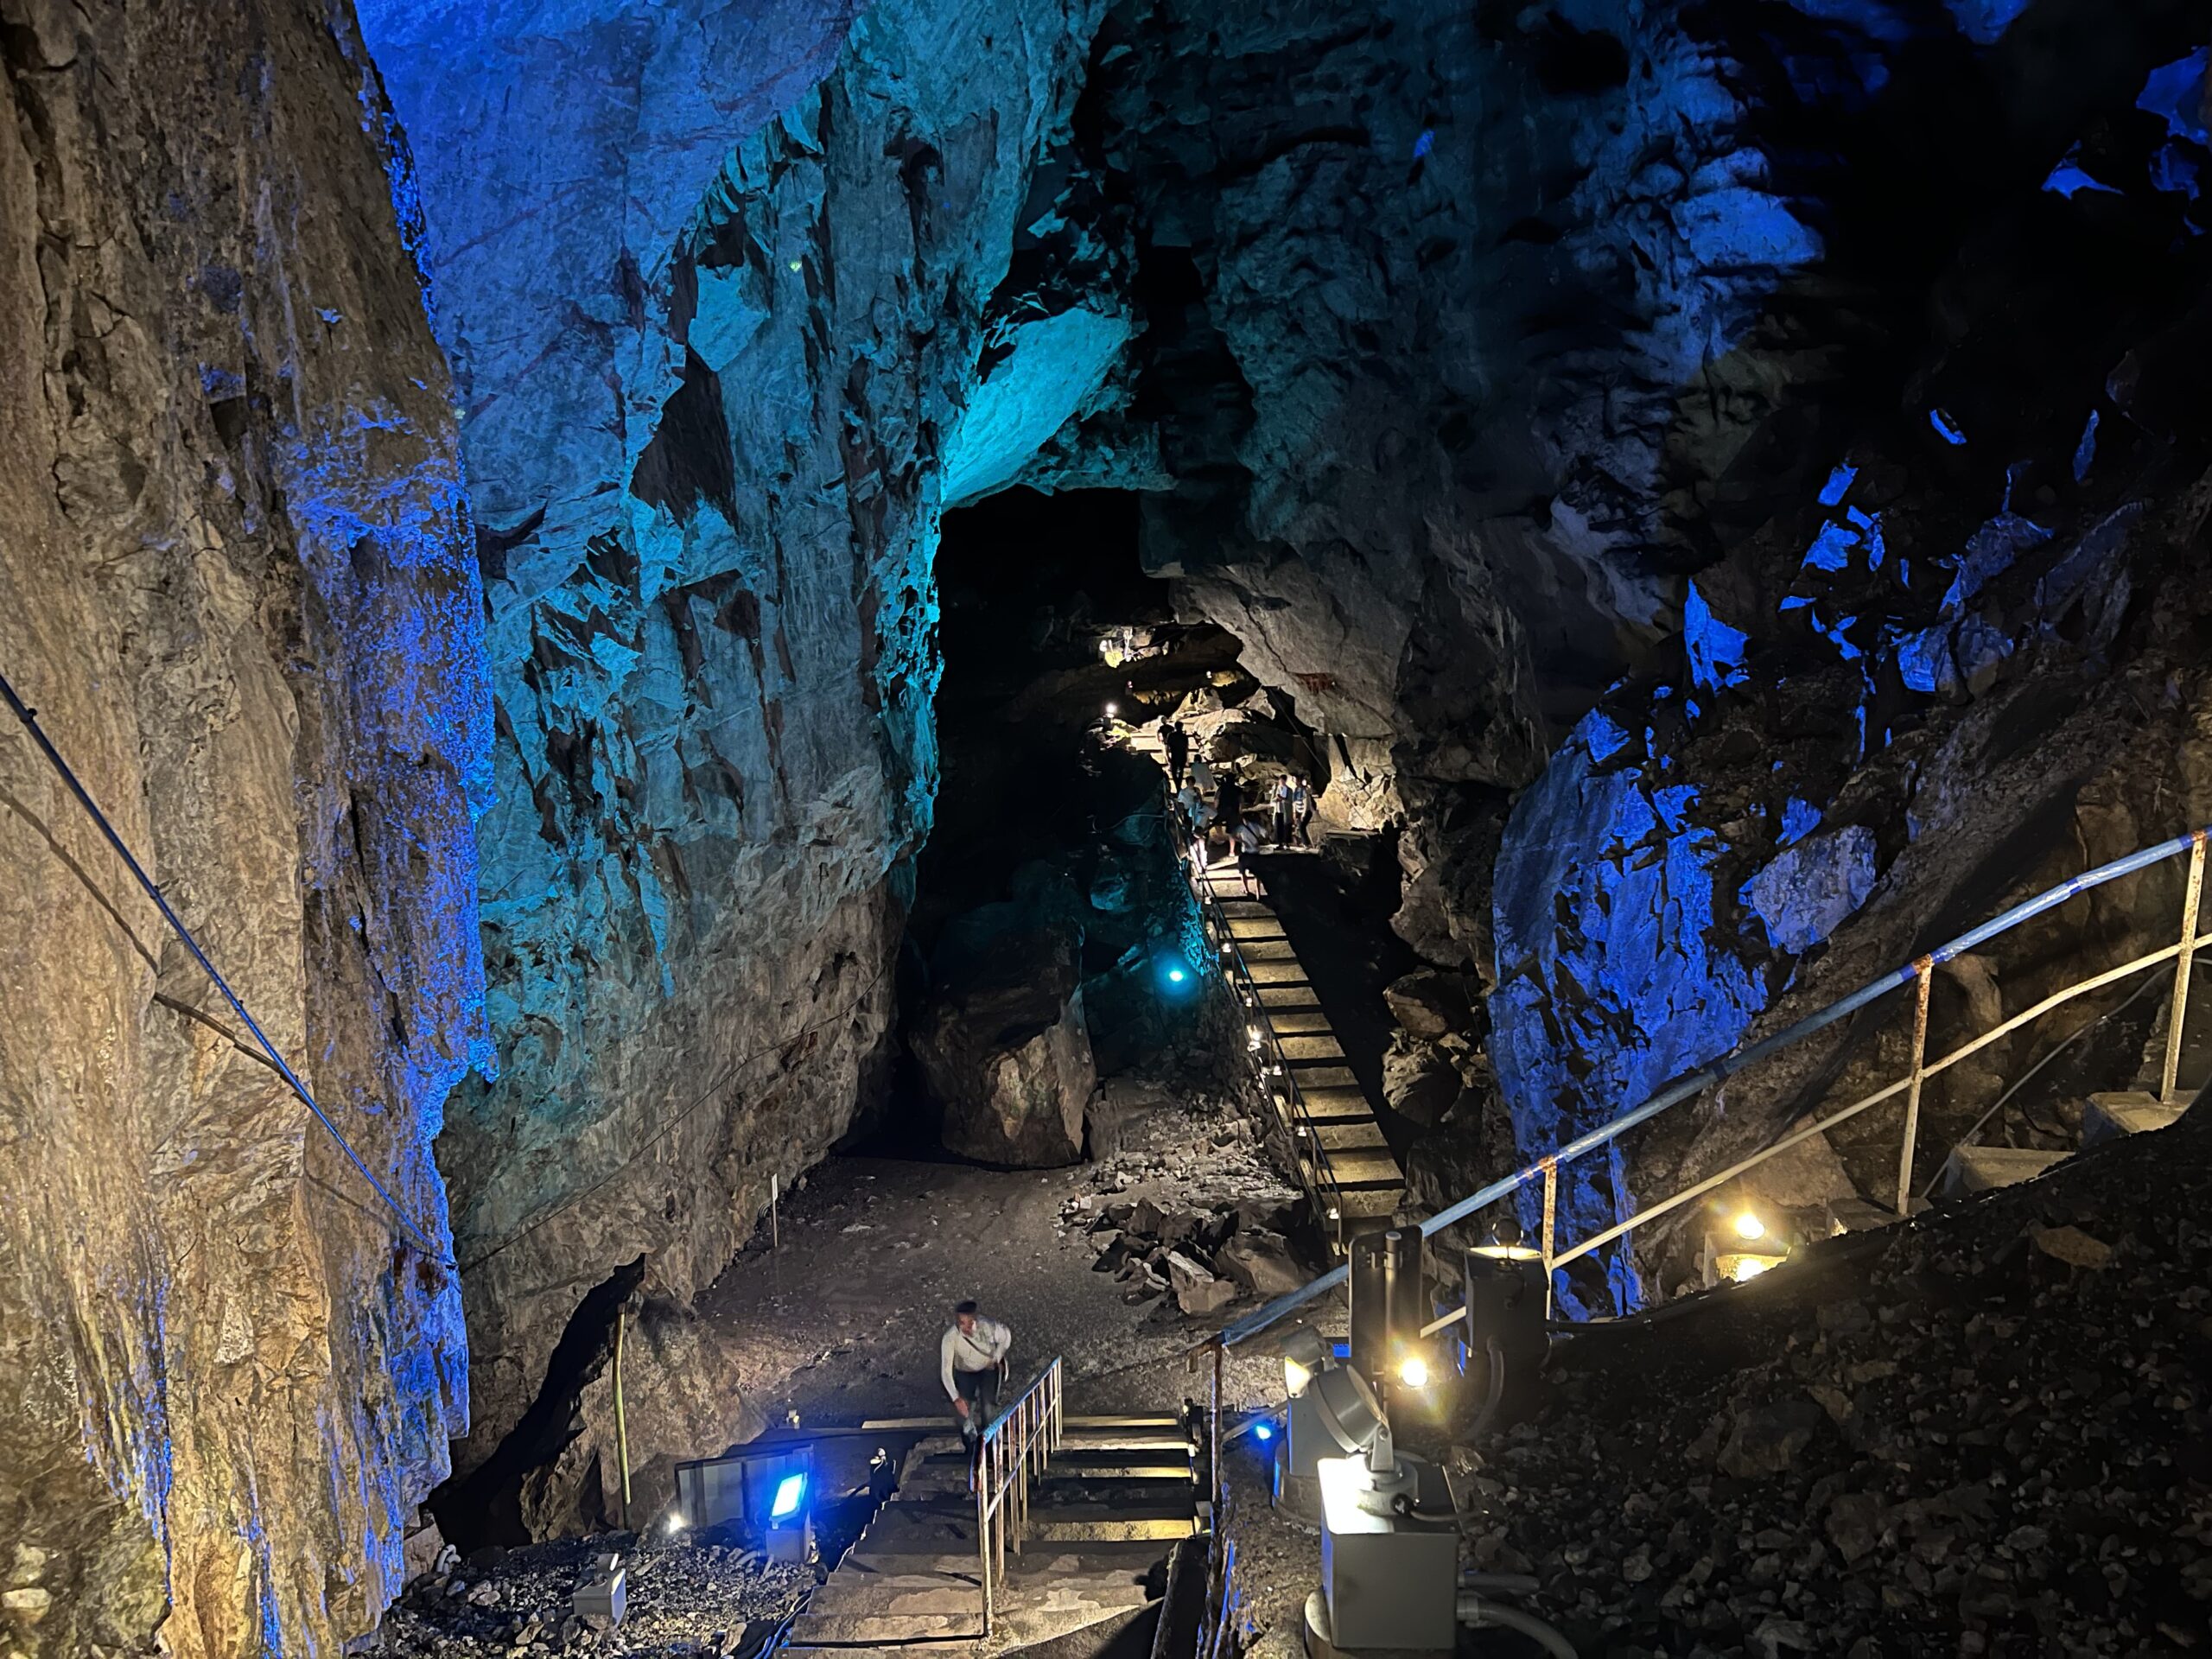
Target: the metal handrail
(1314, 1168)
(1014, 1445)
(1919, 971)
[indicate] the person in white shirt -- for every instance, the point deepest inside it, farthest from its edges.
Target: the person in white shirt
(971, 1362)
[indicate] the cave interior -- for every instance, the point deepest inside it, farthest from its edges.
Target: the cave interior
(620, 567)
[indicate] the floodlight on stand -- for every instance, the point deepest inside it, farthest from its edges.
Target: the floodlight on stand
(790, 1491)
(1347, 1409)
(1306, 1353)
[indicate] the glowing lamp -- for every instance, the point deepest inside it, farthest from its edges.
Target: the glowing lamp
(1413, 1371)
(788, 1493)
(1263, 1432)
(1112, 709)
(1748, 1267)
(1749, 1226)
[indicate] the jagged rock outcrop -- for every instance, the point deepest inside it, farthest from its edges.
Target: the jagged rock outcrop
(1959, 670)
(714, 278)
(241, 592)
(1001, 1042)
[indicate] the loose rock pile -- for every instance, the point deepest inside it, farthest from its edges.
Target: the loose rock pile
(1990, 1436)
(1206, 1258)
(686, 1602)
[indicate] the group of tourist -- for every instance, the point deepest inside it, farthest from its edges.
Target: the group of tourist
(1221, 822)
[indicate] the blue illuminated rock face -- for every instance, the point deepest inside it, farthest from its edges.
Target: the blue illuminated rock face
(241, 592)
(717, 282)
(1900, 699)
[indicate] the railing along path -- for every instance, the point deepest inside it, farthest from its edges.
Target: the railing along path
(1015, 1448)
(1917, 973)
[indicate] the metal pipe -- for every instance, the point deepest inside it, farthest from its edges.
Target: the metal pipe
(1551, 1216)
(1911, 1140)
(1475, 1613)
(621, 1426)
(2179, 1016)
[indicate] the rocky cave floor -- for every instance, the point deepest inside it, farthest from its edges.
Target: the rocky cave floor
(839, 1323)
(1987, 1434)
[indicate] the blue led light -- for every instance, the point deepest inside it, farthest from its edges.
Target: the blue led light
(1176, 975)
(789, 1491)
(1263, 1430)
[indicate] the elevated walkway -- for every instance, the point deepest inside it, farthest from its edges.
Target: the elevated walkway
(1349, 1173)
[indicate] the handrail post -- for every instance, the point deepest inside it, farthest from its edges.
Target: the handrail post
(2179, 1014)
(983, 1537)
(1924, 970)
(1551, 1222)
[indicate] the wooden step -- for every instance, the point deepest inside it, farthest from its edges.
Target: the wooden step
(1361, 1135)
(1371, 1204)
(1290, 972)
(1298, 1022)
(1365, 1168)
(1983, 1169)
(879, 1629)
(2115, 1117)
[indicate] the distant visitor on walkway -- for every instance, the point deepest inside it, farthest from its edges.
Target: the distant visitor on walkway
(1175, 743)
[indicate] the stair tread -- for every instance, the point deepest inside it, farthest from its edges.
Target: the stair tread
(1978, 1169)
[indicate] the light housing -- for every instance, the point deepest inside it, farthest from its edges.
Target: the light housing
(790, 1492)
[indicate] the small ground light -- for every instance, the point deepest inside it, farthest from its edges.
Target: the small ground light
(1263, 1430)
(673, 1525)
(1176, 975)
(789, 1491)
(1112, 709)
(1748, 1267)
(1413, 1371)
(1750, 1226)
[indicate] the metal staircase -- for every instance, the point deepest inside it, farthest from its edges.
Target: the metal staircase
(1065, 1534)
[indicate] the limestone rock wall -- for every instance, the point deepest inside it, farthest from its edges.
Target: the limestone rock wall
(714, 280)
(240, 590)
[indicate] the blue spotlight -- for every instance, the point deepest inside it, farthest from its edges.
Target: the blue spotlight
(788, 1494)
(1263, 1432)
(1176, 975)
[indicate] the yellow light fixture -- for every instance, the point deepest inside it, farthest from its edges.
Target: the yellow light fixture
(1413, 1371)
(1750, 1226)
(1748, 1267)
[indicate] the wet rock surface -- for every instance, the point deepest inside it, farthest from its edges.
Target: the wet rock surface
(713, 279)
(240, 591)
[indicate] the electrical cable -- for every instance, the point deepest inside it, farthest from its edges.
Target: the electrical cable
(28, 717)
(2027, 1077)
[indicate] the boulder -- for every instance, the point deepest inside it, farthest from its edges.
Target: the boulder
(1002, 1045)
(1430, 1003)
(1198, 1292)
(1261, 1263)
(1418, 1080)
(1764, 1440)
